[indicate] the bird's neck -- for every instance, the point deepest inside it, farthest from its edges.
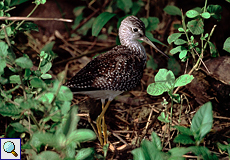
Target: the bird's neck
(136, 47)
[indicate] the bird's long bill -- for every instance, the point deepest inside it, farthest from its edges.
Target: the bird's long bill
(146, 40)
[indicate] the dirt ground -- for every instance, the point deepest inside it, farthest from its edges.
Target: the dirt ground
(132, 116)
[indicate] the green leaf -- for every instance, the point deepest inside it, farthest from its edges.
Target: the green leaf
(3, 49)
(196, 26)
(28, 26)
(145, 21)
(202, 151)
(184, 130)
(192, 13)
(212, 48)
(18, 127)
(153, 23)
(174, 66)
(46, 67)
(181, 29)
(8, 110)
(100, 21)
(183, 54)
(183, 80)
(2, 65)
(40, 138)
(37, 83)
(85, 28)
(136, 7)
(206, 15)
(17, 2)
(28, 104)
(156, 89)
(138, 154)
(69, 124)
(125, 5)
(24, 62)
(8, 31)
(227, 45)
(47, 97)
(48, 47)
(151, 63)
(164, 75)
(176, 153)
(46, 76)
(85, 153)
(173, 10)
(151, 152)
(184, 139)
(105, 149)
(151, 38)
(163, 118)
(81, 135)
(47, 155)
(77, 21)
(224, 147)
(215, 11)
(70, 150)
(177, 49)
(38, 2)
(65, 94)
(180, 42)
(202, 121)
(15, 79)
(156, 141)
(78, 10)
(173, 37)
(175, 97)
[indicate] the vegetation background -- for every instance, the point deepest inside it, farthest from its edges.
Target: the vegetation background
(179, 111)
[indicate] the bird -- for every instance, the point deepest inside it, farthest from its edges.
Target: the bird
(115, 71)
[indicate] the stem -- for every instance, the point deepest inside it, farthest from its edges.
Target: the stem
(205, 5)
(171, 111)
(34, 120)
(200, 57)
(186, 34)
(36, 6)
(8, 99)
(147, 8)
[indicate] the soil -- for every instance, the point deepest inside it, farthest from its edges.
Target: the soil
(132, 116)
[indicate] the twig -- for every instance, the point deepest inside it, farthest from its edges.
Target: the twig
(8, 99)
(119, 138)
(200, 57)
(202, 61)
(90, 16)
(35, 19)
(86, 54)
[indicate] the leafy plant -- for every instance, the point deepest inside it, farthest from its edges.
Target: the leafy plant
(66, 139)
(194, 27)
(227, 45)
(165, 81)
(201, 125)
(224, 147)
(39, 106)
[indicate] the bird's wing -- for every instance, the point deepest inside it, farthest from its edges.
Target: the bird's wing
(118, 69)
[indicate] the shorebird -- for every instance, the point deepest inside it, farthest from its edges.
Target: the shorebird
(119, 69)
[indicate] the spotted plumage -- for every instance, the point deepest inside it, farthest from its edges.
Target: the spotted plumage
(119, 69)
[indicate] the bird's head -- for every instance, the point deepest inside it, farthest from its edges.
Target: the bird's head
(133, 29)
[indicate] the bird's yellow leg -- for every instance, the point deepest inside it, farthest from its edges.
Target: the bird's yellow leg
(104, 127)
(98, 123)
(101, 123)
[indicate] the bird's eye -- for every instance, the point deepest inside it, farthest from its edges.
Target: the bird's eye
(135, 29)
